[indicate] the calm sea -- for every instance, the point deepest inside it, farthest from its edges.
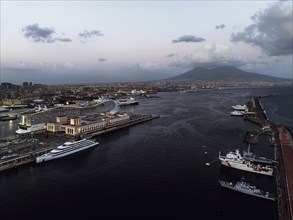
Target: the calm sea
(155, 170)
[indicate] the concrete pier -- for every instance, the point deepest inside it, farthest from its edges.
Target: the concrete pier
(284, 155)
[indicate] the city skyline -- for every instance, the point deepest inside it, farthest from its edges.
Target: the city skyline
(97, 41)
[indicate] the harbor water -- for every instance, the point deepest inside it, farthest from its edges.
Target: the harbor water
(154, 170)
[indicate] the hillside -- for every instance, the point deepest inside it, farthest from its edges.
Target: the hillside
(224, 73)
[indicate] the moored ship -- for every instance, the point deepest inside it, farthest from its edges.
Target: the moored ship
(246, 188)
(236, 161)
(2, 109)
(248, 155)
(66, 149)
(240, 107)
(237, 113)
(130, 101)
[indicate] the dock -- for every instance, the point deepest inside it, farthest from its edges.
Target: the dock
(284, 154)
(133, 121)
(42, 143)
(22, 159)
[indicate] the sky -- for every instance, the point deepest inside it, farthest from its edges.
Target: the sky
(57, 42)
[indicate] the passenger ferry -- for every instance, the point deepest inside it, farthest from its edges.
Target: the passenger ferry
(66, 149)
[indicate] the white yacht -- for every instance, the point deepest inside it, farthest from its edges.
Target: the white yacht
(66, 149)
(240, 107)
(237, 113)
(130, 101)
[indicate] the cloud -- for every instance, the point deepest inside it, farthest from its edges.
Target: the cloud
(271, 30)
(63, 39)
(188, 39)
(44, 35)
(102, 59)
(171, 55)
(89, 34)
(209, 56)
(221, 26)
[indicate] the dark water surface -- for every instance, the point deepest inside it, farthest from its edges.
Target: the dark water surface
(155, 170)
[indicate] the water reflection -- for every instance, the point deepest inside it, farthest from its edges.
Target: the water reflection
(8, 128)
(10, 125)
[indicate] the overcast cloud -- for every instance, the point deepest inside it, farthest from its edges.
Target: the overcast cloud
(188, 39)
(44, 35)
(271, 30)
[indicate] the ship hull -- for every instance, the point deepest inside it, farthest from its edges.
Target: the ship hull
(244, 167)
(48, 156)
(247, 192)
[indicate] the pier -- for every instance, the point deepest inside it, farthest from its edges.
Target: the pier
(27, 150)
(284, 154)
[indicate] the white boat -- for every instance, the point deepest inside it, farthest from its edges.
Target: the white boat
(130, 101)
(236, 161)
(240, 107)
(246, 188)
(237, 113)
(66, 149)
(2, 109)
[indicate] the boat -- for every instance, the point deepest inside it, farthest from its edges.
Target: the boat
(272, 141)
(15, 106)
(237, 113)
(66, 149)
(246, 188)
(2, 109)
(248, 155)
(234, 160)
(8, 117)
(130, 101)
(40, 109)
(240, 107)
(9, 156)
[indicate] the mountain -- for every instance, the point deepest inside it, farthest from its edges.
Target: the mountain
(223, 73)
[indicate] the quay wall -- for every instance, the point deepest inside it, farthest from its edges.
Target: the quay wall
(284, 150)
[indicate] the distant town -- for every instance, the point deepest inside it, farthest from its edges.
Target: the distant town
(30, 93)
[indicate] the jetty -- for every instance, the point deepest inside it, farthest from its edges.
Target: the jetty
(282, 141)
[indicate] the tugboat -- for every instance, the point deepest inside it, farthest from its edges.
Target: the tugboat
(236, 161)
(246, 188)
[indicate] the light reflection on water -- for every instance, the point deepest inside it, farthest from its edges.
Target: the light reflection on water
(8, 128)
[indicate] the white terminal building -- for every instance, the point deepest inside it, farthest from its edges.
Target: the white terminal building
(85, 124)
(34, 122)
